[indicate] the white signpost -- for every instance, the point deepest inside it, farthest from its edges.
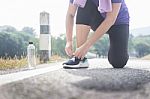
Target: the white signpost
(45, 37)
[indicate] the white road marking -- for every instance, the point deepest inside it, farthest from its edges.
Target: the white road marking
(8, 78)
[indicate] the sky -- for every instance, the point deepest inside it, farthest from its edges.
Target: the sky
(21, 13)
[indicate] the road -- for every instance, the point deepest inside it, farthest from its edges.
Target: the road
(99, 81)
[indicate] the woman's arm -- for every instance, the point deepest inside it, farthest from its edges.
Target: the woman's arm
(102, 29)
(70, 21)
(106, 24)
(69, 28)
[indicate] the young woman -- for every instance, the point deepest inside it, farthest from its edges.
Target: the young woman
(115, 23)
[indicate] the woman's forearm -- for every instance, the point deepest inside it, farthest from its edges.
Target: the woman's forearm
(101, 30)
(105, 25)
(69, 27)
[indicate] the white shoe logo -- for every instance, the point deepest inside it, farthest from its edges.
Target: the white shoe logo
(73, 59)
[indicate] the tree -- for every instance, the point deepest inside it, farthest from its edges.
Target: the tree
(29, 30)
(131, 47)
(58, 45)
(102, 46)
(8, 44)
(141, 45)
(142, 49)
(7, 28)
(15, 43)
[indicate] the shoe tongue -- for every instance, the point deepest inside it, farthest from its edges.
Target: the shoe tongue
(76, 58)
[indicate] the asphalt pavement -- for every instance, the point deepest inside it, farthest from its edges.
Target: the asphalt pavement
(99, 81)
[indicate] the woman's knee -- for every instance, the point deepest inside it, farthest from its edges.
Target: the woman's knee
(119, 62)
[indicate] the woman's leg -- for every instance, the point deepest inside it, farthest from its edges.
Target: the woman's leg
(83, 20)
(118, 52)
(82, 32)
(87, 18)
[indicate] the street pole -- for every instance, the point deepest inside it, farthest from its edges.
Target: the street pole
(45, 37)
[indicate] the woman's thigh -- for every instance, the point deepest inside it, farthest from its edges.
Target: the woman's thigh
(89, 15)
(118, 52)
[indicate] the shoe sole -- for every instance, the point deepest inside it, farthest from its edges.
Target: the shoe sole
(67, 67)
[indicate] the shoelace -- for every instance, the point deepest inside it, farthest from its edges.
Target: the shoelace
(73, 59)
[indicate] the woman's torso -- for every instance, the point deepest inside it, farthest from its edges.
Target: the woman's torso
(123, 16)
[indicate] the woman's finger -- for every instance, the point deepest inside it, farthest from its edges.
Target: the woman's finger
(83, 55)
(80, 55)
(68, 51)
(76, 54)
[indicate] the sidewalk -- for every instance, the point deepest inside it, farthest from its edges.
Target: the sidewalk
(100, 81)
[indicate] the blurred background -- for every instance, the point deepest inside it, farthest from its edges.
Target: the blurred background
(19, 24)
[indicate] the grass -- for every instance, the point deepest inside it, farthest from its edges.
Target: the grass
(56, 58)
(20, 63)
(12, 63)
(147, 57)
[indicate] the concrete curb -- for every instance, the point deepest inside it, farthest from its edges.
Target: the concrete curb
(9, 78)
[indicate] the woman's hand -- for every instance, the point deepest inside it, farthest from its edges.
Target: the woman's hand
(68, 48)
(81, 51)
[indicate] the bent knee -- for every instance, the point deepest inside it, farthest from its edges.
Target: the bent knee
(118, 62)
